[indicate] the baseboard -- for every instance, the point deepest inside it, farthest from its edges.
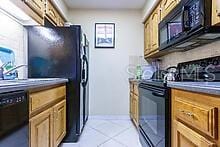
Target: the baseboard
(110, 117)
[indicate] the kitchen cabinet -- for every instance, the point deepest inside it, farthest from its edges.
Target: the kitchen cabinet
(147, 39)
(151, 38)
(186, 137)
(216, 12)
(167, 6)
(59, 122)
(53, 15)
(134, 102)
(47, 116)
(41, 9)
(41, 129)
(155, 20)
(195, 119)
(37, 5)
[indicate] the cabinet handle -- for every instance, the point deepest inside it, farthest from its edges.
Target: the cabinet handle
(190, 114)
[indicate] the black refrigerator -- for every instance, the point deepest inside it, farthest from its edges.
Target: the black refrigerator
(63, 52)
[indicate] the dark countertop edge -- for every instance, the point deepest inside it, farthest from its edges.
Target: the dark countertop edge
(193, 88)
(29, 86)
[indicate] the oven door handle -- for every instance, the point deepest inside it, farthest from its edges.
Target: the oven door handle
(158, 94)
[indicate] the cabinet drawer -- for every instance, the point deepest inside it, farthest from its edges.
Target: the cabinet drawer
(136, 89)
(202, 117)
(43, 98)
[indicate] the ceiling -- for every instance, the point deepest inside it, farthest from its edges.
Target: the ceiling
(105, 4)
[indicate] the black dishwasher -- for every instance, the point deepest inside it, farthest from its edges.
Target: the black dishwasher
(14, 116)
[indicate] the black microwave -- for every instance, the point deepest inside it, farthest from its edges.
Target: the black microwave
(187, 26)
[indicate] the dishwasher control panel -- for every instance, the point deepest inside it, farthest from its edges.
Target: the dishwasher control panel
(11, 99)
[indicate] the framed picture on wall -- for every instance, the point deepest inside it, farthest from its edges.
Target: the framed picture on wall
(104, 35)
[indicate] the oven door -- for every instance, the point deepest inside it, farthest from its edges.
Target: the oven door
(152, 115)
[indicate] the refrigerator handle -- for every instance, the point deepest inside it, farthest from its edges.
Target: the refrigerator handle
(87, 69)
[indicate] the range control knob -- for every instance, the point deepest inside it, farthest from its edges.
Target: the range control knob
(215, 62)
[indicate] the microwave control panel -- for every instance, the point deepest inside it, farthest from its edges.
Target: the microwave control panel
(194, 13)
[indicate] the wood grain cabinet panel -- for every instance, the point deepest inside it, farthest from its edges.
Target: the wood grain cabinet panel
(134, 103)
(147, 38)
(216, 12)
(41, 129)
(200, 116)
(59, 122)
(42, 98)
(185, 137)
(167, 6)
(51, 13)
(37, 5)
(155, 19)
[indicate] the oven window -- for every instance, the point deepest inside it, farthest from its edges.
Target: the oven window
(152, 116)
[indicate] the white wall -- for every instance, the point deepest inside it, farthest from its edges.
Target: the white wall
(14, 36)
(147, 8)
(109, 88)
(62, 7)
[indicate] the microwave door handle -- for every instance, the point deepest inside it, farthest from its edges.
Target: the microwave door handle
(183, 18)
(184, 15)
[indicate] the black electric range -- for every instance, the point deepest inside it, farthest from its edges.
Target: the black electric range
(155, 104)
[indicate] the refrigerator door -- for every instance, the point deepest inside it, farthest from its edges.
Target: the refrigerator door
(53, 53)
(56, 52)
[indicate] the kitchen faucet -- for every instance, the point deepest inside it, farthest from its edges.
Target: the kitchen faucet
(2, 73)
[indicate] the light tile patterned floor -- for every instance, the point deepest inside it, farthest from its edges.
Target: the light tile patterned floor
(107, 133)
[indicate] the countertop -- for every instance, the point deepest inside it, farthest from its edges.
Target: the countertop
(203, 87)
(15, 85)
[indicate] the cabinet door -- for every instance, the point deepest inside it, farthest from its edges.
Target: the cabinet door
(215, 12)
(147, 39)
(167, 6)
(155, 19)
(60, 21)
(59, 122)
(51, 13)
(185, 137)
(136, 112)
(37, 5)
(41, 129)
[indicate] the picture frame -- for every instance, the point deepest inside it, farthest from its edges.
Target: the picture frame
(104, 35)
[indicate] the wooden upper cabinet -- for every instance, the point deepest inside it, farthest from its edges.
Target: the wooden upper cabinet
(37, 5)
(216, 12)
(167, 6)
(59, 122)
(155, 20)
(185, 137)
(51, 13)
(147, 39)
(41, 129)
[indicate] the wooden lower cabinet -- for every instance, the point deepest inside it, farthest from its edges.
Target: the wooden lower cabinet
(186, 137)
(47, 123)
(134, 103)
(41, 129)
(59, 122)
(195, 119)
